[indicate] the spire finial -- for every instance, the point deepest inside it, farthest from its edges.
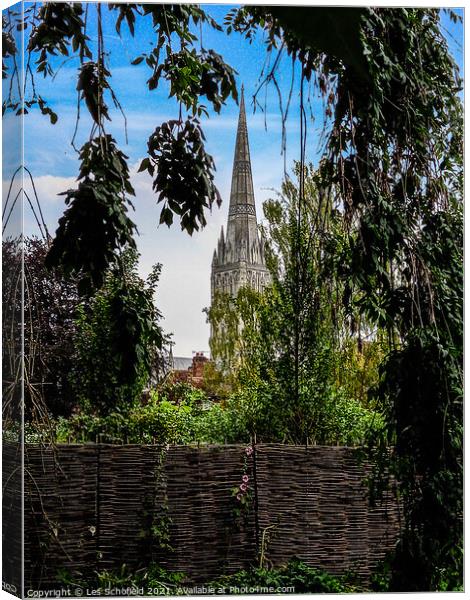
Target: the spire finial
(242, 115)
(242, 99)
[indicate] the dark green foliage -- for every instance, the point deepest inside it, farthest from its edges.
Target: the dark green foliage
(218, 80)
(296, 575)
(427, 458)
(46, 110)
(92, 84)
(184, 178)
(402, 190)
(192, 74)
(59, 26)
(400, 172)
(118, 340)
(127, 12)
(422, 392)
(8, 45)
(133, 318)
(95, 227)
(183, 70)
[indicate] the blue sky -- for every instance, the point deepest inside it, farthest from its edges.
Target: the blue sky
(185, 283)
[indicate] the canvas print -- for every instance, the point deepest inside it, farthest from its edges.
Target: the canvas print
(232, 263)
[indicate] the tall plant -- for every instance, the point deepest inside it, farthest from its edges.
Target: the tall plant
(119, 342)
(298, 224)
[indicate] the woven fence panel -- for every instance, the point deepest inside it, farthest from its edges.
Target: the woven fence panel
(94, 507)
(11, 515)
(313, 504)
(125, 485)
(184, 494)
(60, 513)
(206, 538)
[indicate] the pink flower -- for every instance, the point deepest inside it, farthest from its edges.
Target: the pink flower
(249, 450)
(239, 497)
(243, 487)
(245, 478)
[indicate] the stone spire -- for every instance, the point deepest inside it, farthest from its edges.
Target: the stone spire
(242, 210)
(239, 257)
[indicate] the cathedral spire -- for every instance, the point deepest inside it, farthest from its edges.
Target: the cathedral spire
(239, 259)
(242, 226)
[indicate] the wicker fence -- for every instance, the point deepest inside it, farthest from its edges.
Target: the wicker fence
(94, 507)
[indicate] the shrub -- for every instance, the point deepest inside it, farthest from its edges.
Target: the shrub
(119, 343)
(157, 422)
(219, 425)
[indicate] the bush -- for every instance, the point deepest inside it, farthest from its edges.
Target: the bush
(220, 424)
(188, 418)
(118, 343)
(346, 422)
(157, 422)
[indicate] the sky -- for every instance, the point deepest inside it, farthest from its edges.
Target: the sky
(184, 288)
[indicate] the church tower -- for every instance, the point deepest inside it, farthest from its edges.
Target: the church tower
(239, 259)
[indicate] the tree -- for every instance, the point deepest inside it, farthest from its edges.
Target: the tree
(401, 193)
(119, 343)
(50, 305)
